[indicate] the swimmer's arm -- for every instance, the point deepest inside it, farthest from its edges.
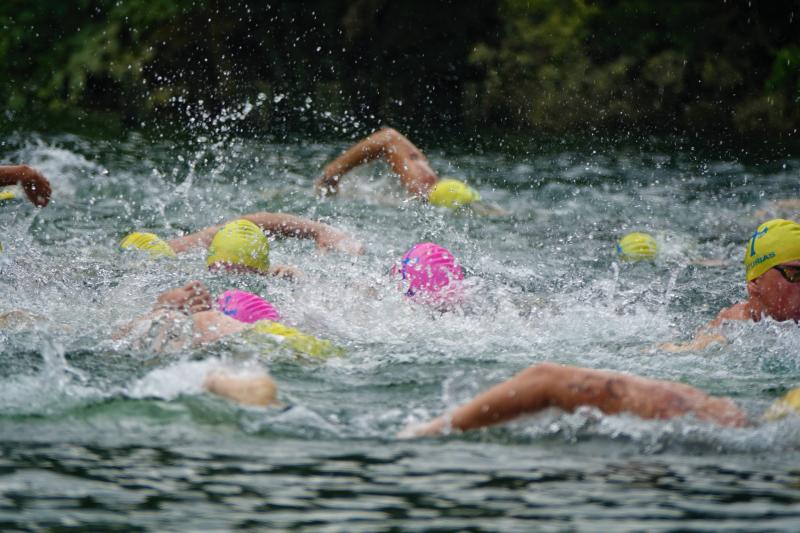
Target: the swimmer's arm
(193, 241)
(405, 159)
(292, 226)
(710, 333)
(279, 225)
(532, 390)
(36, 186)
(194, 297)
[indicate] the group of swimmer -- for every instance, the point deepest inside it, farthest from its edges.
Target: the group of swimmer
(430, 275)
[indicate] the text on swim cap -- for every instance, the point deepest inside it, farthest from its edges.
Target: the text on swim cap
(760, 260)
(756, 235)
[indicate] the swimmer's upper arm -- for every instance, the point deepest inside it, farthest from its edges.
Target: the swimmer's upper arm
(198, 239)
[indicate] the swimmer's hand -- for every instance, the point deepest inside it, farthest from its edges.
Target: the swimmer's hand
(285, 272)
(327, 185)
(699, 343)
(36, 186)
(192, 298)
(247, 389)
(432, 428)
(339, 241)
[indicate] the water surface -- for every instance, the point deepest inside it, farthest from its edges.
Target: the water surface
(97, 436)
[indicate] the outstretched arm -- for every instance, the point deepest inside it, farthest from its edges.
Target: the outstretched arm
(406, 160)
(710, 333)
(36, 186)
(567, 388)
(279, 225)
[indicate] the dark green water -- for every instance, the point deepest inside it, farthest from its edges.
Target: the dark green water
(96, 436)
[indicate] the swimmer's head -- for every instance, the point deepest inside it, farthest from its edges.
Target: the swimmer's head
(428, 269)
(147, 242)
(239, 245)
(775, 242)
(246, 307)
(788, 404)
(637, 246)
(452, 193)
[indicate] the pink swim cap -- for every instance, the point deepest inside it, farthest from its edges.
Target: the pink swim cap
(246, 307)
(430, 269)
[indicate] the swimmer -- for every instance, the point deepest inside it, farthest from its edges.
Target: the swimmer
(568, 388)
(430, 274)
(408, 162)
(184, 318)
(36, 186)
(242, 245)
(772, 270)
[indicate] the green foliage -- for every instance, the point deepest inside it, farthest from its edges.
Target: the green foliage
(566, 65)
(529, 65)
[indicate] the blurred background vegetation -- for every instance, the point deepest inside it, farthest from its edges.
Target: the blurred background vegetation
(720, 67)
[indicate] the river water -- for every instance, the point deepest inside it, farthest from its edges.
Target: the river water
(97, 436)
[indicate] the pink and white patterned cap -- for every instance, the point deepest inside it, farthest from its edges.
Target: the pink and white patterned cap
(246, 307)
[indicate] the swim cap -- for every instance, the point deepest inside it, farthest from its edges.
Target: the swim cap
(637, 246)
(774, 242)
(147, 242)
(452, 193)
(790, 403)
(240, 243)
(298, 341)
(7, 195)
(428, 268)
(246, 307)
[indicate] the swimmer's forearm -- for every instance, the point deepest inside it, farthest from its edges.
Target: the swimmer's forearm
(12, 174)
(277, 224)
(284, 225)
(193, 241)
(368, 149)
(526, 393)
(405, 159)
(529, 392)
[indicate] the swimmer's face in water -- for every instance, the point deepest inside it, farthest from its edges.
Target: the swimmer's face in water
(777, 291)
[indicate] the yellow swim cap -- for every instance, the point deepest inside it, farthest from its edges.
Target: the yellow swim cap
(774, 242)
(148, 242)
(7, 195)
(637, 246)
(240, 243)
(452, 193)
(784, 406)
(298, 341)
